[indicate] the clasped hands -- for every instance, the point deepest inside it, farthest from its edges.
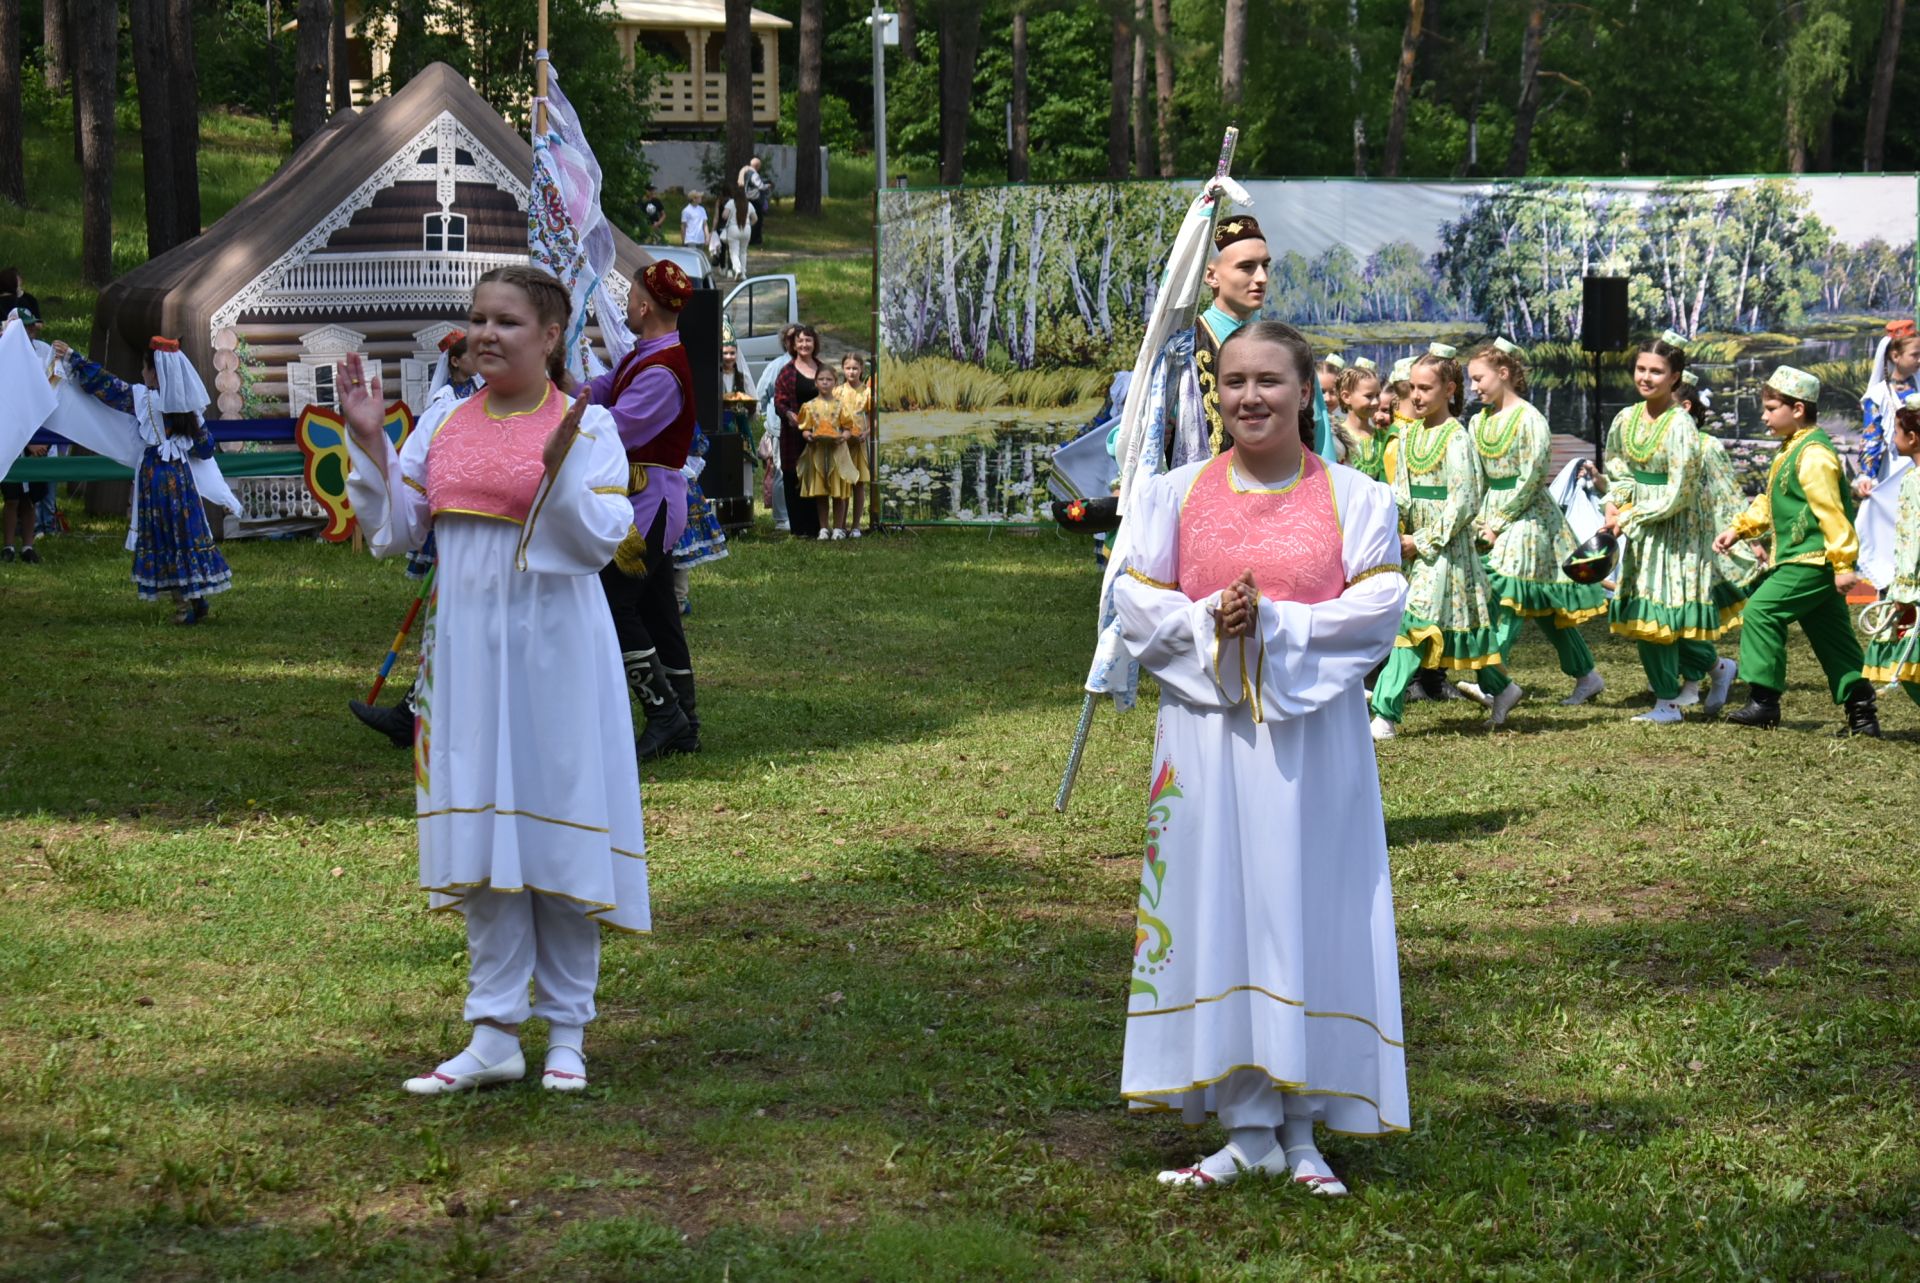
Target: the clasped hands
(1238, 613)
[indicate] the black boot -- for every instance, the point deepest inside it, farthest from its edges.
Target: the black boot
(1761, 709)
(395, 723)
(1863, 713)
(681, 679)
(667, 730)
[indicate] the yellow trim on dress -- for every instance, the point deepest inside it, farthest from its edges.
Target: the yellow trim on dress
(457, 892)
(1431, 643)
(1151, 582)
(495, 809)
(406, 480)
(547, 483)
(1384, 568)
(486, 406)
(1148, 1102)
(471, 512)
(1562, 619)
(1660, 635)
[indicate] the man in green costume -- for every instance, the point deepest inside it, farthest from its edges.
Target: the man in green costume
(1807, 511)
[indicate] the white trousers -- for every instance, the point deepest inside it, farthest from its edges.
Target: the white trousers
(1248, 1099)
(517, 937)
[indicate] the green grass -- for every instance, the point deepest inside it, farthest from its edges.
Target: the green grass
(835, 263)
(1659, 981)
(237, 154)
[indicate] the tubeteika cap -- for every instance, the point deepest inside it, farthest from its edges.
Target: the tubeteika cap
(1794, 384)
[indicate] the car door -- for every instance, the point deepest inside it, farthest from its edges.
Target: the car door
(757, 309)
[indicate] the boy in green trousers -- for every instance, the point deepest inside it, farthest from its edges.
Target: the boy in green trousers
(1807, 512)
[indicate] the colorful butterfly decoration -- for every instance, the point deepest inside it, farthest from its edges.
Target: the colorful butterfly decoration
(322, 436)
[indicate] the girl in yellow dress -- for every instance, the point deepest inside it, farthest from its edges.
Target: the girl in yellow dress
(827, 472)
(857, 393)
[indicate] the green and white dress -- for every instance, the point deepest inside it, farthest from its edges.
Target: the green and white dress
(1891, 660)
(1532, 540)
(1671, 587)
(1368, 455)
(1439, 486)
(1740, 569)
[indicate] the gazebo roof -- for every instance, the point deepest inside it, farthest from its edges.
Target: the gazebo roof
(178, 293)
(681, 14)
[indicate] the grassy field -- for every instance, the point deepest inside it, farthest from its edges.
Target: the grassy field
(1659, 981)
(237, 154)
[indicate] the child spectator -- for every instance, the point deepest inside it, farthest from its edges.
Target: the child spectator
(827, 473)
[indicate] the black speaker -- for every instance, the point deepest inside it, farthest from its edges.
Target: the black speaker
(700, 333)
(1604, 307)
(724, 476)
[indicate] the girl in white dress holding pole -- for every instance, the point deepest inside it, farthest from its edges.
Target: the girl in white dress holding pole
(527, 793)
(1263, 585)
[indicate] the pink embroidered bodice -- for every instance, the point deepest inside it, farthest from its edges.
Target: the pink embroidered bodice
(489, 467)
(1289, 538)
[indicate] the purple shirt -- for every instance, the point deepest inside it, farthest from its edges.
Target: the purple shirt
(646, 409)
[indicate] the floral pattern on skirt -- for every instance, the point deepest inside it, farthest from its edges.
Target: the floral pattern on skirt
(174, 550)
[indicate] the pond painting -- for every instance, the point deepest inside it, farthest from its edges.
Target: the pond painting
(1005, 311)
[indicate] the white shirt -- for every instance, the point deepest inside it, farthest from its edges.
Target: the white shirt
(693, 225)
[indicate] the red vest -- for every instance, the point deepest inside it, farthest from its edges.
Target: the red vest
(668, 449)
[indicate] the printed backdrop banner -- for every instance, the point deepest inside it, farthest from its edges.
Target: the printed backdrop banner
(1006, 311)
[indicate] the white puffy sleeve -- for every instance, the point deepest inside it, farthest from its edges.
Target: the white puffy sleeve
(390, 504)
(1170, 635)
(580, 513)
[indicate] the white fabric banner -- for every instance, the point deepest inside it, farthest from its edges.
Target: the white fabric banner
(27, 399)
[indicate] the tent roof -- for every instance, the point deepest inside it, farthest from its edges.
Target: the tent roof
(178, 293)
(689, 13)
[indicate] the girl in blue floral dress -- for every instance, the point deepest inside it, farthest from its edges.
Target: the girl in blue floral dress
(173, 548)
(704, 540)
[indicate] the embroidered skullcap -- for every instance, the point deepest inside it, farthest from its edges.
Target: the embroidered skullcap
(1335, 362)
(1365, 363)
(1673, 338)
(1445, 351)
(25, 316)
(668, 284)
(1513, 350)
(1402, 370)
(1796, 385)
(1689, 378)
(181, 391)
(452, 337)
(1241, 227)
(1899, 329)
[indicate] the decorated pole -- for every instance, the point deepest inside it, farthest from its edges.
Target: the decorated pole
(400, 638)
(540, 75)
(1170, 299)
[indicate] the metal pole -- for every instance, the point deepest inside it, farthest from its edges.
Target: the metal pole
(879, 23)
(1599, 433)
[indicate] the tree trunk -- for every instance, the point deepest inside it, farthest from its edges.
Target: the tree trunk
(13, 160)
(1403, 89)
(739, 64)
(806, 114)
(909, 33)
(341, 61)
(1884, 66)
(1122, 80)
(1353, 89)
(96, 44)
(311, 38)
(1528, 108)
(55, 50)
(1163, 85)
(148, 21)
(959, 43)
(183, 92)
(1233, 54)
(1142, 131)
(1018, 170)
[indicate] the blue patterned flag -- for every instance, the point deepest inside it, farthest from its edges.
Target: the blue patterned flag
(569, 236)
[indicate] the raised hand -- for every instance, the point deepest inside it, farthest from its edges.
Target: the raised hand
(561, 441)
(361, 404)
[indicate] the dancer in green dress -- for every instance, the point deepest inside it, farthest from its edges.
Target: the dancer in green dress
(1894, 656)
(1526, 533)
(1362, 445)
(1807, 510)
(1449, 621)
(1671, 595)
(1742, 565)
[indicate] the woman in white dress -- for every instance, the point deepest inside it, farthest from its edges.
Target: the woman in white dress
(1261, 587)
(527, 794)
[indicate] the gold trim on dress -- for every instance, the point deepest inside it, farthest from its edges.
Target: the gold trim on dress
(1219, 997)
(1233, 482)
(473, 512)
(546, 489)
(1150, 1101)
(622, 491)
(497, 810)
(457, 892)
(409, 481)
(486, 406)
(1384, 568)
(1151, 582)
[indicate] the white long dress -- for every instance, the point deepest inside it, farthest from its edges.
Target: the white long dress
(525, 776)
(1265, 935)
